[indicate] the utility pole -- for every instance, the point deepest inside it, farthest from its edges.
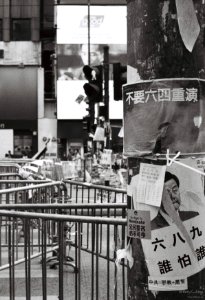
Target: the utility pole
(106, 94)
(88, 32)
(106, 81)
(165, 40)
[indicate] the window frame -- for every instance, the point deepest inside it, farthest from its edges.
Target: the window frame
(21, 35)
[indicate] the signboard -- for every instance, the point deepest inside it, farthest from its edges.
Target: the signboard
(108, 27)
(68, 92)
(164, 114)
(169, 254)
(108, 24)
(67, 106)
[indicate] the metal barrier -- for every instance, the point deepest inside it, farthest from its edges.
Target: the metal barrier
(10, 176)
(12, 181)
(31, 191)
(44, 224)
(95, 275)
(91, 193)
(7, 167)
(77, 192)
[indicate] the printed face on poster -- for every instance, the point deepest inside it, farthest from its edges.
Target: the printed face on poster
(176, 246)
(164, 114)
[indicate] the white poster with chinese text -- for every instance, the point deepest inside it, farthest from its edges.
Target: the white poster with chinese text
(177, 244)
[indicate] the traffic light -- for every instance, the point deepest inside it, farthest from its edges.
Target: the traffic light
(91, 113)
(103, 111)
(86, 123)
(93, 89)
(119, 78)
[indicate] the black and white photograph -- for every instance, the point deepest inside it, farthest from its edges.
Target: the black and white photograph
(102, 154)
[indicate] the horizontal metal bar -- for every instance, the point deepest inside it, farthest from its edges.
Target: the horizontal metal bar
(52, 183)
(63, 206)
(9, 164)
(22, 260)
(10, 174)
(95, 186)
(58, 217)
(30, 187)
(22, 181)
(14, 162)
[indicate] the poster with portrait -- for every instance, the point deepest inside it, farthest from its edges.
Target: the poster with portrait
(164, 114)
(72, 58)
(177, 244)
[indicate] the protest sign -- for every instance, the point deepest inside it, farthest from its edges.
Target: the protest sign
(176, 250)
(155, 118)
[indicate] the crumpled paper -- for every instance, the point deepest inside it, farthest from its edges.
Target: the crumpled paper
(188, 23)
(125, 253)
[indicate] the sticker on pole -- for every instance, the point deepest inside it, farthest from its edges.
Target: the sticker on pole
(138, 225)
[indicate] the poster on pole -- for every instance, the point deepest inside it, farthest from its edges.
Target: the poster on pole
(175, 252)
(164, 114)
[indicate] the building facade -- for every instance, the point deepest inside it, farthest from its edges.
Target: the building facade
(28, 77)
(27, 83)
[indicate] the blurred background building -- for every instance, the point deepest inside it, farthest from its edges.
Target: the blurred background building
(42, 51)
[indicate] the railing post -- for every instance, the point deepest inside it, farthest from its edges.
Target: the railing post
(61, 254)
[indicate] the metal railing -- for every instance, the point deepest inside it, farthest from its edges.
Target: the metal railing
(94, 267)
(46, 230)
(31, 191)
(8, 167)
(92, 193)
